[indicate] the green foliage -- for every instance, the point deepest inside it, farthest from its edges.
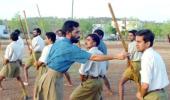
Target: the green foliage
(166, 28)
(14, 23)
(155, 27)
(159, 29)
(86, 25)
(109, 29)
(1, 22)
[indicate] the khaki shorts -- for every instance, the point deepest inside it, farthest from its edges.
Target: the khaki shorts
(30, 60)
(42, 69)
(133, 75)
(50, 86)
(157, 95)
(11, 70)
(90, 89)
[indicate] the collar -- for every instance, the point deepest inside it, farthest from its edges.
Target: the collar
(93, 48)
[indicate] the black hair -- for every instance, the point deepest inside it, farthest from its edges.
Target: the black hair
(38, 30)
(133, 32)
(95, 38)
(60, 30)
(148, 36)
(17, 31)
(14, 36)
(51, 35)
(99, 32)
(69, 26)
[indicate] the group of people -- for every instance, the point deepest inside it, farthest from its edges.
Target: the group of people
(53, 60)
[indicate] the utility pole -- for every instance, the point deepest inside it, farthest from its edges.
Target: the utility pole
(72, 10)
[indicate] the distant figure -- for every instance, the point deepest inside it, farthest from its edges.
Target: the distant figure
(135, 58)
(59, 35)
(37, 47)
(169, 38)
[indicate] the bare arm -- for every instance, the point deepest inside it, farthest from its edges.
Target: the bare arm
(38, 64)
(5, 61)
(120, 56)
(144, 89)
(142, 93)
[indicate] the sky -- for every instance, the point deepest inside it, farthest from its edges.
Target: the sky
(146, 10)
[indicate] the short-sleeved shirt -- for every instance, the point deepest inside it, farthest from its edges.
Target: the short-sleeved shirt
(14, 52)
(153, 70)
(38, 43)
(63, 54)
(93, 68)
(132, 50)
(59, 38)
(20, 42)
(45, 53)
(102, 47)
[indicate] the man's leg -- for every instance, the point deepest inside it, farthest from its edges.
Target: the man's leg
(122, 81)
(67, 77)
(26, 74)
(1, 79)
(23, 87)
(107, 84)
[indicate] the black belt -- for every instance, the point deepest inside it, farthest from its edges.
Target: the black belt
(12, 61)
(162, 89)
(92, 77)
(37, 51)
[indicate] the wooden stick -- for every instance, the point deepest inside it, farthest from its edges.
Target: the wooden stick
(41, 20)
(1, 52)
(117, 27)
(124, 45)
(22, 28)
(32, 53)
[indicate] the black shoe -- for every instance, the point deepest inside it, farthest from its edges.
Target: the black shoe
(25, 98)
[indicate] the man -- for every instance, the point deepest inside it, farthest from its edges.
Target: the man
(154, 77)
(168, 38)
(37, 46)
(41, 64)
(129, 73)
(59, 36)
(11, 64)
(103, 48)
(20, 40)
(91, 73)
(62, 55)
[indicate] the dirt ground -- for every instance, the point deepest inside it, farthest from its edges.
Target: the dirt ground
(13, 91)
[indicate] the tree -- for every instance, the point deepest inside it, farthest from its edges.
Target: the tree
(86, 26)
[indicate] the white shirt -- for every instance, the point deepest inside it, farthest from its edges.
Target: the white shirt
(134, 54)
(13, 52)
(153, 70)
(38, 43)
(45, 53)
(58, 38)
(93, 68)
(20, 42)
